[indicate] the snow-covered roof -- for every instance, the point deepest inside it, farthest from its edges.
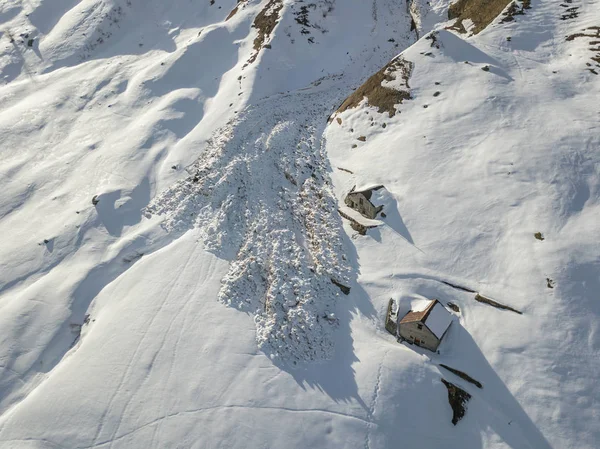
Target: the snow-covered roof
(438, 320)
(358, 217)
(366, 189)
(435, 316)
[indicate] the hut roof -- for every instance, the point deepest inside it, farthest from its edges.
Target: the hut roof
(434, 316)
(366, 189)
(358, 217)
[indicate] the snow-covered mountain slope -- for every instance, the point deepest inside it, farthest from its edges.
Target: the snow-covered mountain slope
(170, 178)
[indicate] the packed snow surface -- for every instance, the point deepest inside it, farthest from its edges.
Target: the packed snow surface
(173, 263)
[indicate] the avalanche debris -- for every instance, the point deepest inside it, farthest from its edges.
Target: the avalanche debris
(262, 197)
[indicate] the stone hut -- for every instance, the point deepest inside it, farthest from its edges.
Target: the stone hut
(425, 328)
(360, 200)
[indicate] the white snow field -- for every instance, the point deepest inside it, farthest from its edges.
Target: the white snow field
(171, 253)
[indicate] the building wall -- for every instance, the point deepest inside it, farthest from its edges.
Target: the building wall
(390, 323)
(367, 209)
(410, 332)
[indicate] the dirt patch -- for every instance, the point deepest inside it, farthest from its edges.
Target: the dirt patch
(462, 375)
(481, 12)
(265, 22)
(491, 302)
(458, 398)
(235, 10)
(232, 13)
(382, 97)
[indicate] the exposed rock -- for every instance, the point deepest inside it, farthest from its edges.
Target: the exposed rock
(454, 307)
(265, 22)
(234, 10)
(345, 289)
(491, 302)
(515, 10)
(458, 287)
(462, 375)
(134, 257)
(458, 398)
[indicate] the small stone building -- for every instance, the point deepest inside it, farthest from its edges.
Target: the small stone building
(360, 200)
(427, 327)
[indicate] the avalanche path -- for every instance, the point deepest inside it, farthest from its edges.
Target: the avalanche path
(262, 198)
